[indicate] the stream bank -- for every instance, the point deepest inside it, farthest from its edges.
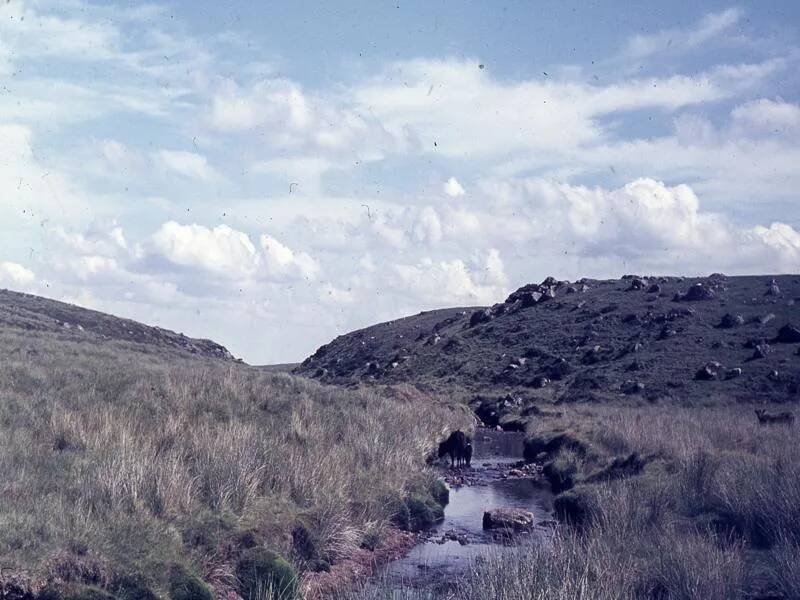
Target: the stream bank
(498, 478)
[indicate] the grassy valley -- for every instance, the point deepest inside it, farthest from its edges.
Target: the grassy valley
(144, 464)
(638, 397)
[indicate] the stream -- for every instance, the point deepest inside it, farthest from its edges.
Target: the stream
(453, 544)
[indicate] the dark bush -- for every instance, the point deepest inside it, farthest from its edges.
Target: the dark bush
(575, 506)
(49, 592)
(319, 565)
(87, 592)
(206, 530)
(133, 588)
(304, 546)
(560, 474)
(440, 492)
(183, 585)
(416, 512)
(550, 443)
(262, 571)
(371, 540)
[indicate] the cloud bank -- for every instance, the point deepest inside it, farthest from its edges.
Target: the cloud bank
(213, 193)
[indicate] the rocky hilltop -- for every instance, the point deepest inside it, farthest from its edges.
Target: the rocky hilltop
(37, 314)
(685, 339)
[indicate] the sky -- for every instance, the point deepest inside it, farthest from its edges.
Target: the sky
(272, 175)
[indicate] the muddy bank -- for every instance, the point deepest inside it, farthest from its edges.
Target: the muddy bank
(362, 565)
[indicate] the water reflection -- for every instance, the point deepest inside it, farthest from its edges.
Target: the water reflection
(433, 565)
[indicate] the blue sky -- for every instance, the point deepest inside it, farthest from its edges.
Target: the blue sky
(274, 175)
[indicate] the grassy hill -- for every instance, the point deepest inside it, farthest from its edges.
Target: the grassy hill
(137, 463)
(561, 342)
(69, 322)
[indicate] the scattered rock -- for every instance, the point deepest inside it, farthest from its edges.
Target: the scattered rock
(637, 284)
(632, 387)
(592, 356)
(788, 334)
(666, 332)
(558, 369)
(730, 321)
(511, 520)
(697, 293)
(654, 289)
(453, 536)
(753, 343)
(540, 382)
(764, 319)
(733, 373)
(773, 289)
(498, 309)
(708, 372)
(549, 282)
(531, 299)
(761, 351)
(480, 316)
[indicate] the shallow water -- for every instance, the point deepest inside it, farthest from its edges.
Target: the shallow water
(433, 565)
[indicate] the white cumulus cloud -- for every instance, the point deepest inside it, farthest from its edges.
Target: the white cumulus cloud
(221, 250)
(188, 164)
(229, 253)
(453, 188)
(15, 275)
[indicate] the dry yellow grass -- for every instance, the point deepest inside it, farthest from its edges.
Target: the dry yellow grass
(116, 461)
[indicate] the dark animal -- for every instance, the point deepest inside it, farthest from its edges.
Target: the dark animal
(765, 418)
(468, 453)
(454, 446)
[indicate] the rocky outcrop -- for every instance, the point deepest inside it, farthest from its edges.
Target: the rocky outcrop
(697, 293)
(508, 520)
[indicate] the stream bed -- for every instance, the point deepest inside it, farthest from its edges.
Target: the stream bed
(456, 542)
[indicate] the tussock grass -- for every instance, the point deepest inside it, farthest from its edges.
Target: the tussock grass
(114, 460)
(713, 515)
(717, 490)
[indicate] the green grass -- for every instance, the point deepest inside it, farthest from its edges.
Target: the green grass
(117, 461)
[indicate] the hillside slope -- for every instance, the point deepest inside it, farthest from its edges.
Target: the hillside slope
(134, 463)
(667, 337)
(37, 314)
